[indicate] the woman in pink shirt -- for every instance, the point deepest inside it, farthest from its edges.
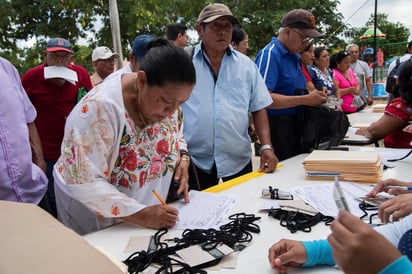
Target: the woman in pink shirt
(346, 82)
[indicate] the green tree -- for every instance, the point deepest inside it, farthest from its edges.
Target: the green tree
(37, 20)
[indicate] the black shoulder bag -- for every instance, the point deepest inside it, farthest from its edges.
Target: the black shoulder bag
(322, 126)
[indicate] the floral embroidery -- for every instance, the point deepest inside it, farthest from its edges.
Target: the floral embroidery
(92, 154)
(162, 148)
(115, 210)
(85, 108)
(145, 155)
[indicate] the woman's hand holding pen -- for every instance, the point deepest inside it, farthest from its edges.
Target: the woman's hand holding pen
(156, 216)
(354, 243)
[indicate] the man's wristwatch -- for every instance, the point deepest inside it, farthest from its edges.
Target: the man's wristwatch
(265, 147)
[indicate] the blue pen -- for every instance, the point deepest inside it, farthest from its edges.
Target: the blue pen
(408, 188)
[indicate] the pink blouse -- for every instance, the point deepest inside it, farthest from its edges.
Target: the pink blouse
(344, 82)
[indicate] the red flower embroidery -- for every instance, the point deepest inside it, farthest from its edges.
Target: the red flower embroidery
(130, 161)
(115, 210)
(142, 178)
(133, 178)
(162, 147)
(85, 108)
(124, 182)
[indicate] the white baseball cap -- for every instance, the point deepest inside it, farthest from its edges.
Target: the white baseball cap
(103, 53)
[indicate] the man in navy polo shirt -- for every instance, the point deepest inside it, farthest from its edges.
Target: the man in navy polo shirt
(279, 64)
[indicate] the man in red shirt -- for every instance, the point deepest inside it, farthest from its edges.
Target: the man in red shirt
(53, 89)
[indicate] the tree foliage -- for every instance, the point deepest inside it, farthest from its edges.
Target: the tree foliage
(88, 22)
(396, 35)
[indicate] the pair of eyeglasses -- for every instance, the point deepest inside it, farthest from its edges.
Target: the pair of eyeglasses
(306, 40)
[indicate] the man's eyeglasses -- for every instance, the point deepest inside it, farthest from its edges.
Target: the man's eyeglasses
(306, 40)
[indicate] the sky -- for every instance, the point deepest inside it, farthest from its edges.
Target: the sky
(397, 11)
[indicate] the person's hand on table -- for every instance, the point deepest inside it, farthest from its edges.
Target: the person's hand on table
(382, 186)
(286, 253)
(408, 128)
(394, 208)
(156, 216)
(363, 131)
(268, 161)
(357, 247)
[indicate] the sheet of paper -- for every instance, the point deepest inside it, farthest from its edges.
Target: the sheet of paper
(321, 198)
(389, 153)
(137, 243)
(60, 72)
(205, 210)
(351, 135)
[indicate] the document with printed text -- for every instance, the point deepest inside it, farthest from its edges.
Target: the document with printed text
(205, 210)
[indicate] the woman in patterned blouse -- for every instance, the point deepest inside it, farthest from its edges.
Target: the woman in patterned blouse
(122, 141)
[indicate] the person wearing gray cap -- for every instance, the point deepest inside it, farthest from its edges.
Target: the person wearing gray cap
(103, 62)
(228, 87)
(279, 64)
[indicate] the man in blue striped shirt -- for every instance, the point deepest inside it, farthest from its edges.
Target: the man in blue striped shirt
(279, 64)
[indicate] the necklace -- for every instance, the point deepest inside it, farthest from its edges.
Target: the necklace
(142, 119)
(138, 94)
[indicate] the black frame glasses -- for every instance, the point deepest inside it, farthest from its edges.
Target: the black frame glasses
(306, 40)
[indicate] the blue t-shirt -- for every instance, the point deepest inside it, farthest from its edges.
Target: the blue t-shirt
(281, 71)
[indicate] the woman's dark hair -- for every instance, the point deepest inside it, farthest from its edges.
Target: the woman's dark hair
(238, 34)
(318, 51)
(405, 81)
(173, 30)
(337, 58)
(166, 63)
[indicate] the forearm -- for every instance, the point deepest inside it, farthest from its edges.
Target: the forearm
(36, 148)
(343, 91)
(261, 122)
(369, 87)
(284, 101)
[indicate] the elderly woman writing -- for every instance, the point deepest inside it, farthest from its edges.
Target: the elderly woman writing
(124, 140)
